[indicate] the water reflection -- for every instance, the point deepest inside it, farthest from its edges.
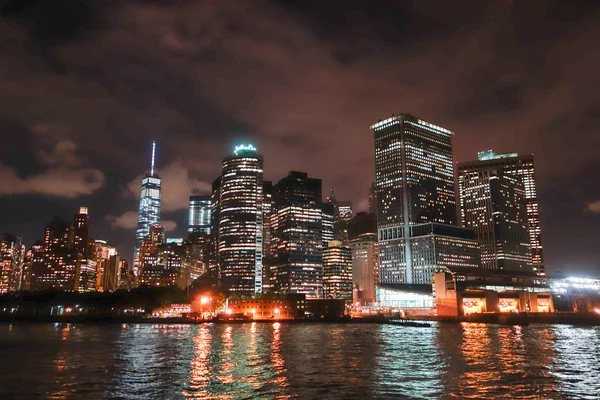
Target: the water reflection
(275, 360)
(201, 369)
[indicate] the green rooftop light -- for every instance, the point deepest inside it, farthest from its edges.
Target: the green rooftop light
(243, 147)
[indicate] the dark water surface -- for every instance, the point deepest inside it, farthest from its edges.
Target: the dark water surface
(315, 361)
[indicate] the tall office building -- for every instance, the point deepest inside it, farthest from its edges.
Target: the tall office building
(365, 267)
(111, 276)
(267, 251)
(12, 255)
(149, 210)
(297, 235)
(498, 198)
(414, 184)
(200, 211)
(213, 240)
(241, 221)
(88, 274)
(337, 271)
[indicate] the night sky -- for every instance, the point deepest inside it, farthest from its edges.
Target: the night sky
(86, 86)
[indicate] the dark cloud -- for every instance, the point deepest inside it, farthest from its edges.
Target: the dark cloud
(303, 80)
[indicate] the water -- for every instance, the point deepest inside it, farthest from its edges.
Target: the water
(313, 361)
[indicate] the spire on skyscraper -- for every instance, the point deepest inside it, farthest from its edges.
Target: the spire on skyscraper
(153, 157)
(331, 198)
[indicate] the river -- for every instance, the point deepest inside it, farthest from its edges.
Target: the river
(312, 361)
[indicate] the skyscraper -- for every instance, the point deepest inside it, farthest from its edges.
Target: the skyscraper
(149, 210)
(297, 235)
(337, 271)
(12, 254)
(200, 211)
(496, 181)
(414, 184)
(82, 244)
(241, 221)
(213, 240)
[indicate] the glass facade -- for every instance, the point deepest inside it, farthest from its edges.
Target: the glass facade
(200, 210)
(149, 210)
(414, 184)
(521, 167)
(241, 222)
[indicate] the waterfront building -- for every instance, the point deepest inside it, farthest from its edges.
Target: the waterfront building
(463, 291)
(337, 271)
(414, 184)
(149, 209)
(240, 256)
(365, 268)
(200, 210)
(12, 255)
(297, 235)
(522, 167)
(493, 204)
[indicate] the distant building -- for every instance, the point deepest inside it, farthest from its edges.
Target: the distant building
(372, 200)
(241, 221)
(200, 211)
(345, 210)
(365, 268)
(268, 251)
(102, 256)
(493, 204)
(82, 244)
(213, 244)
(521, 167)
(414, 184)
(297, 235)
(149, 210)
(111, 276)
(337, 271)
(361, 224)
(56, 265)
(12, 255)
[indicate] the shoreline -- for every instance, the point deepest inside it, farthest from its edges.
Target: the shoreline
(576, 320)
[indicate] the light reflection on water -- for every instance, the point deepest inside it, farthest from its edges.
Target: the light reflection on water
(273, 360)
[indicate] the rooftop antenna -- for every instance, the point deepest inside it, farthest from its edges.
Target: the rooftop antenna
(153, 151)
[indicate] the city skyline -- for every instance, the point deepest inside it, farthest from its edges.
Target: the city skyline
(489, 102)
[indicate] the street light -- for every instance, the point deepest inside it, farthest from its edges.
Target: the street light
(277, 313)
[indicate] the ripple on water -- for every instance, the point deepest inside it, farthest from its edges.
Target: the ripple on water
(302, 360)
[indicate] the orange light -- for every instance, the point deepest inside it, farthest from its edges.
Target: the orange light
(204, 300)
(277, 311)
(228, 311)
(253, 311)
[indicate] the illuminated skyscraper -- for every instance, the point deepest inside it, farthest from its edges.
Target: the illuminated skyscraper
(297, 235)
(149, 211)
(213, 240)
(88, 274)
(494, 183)
(337, 271)
(241, 221)
(414, 184)
(12, 254)
(200, 214)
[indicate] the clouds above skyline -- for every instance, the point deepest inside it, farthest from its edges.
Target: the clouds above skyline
(303, 80)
